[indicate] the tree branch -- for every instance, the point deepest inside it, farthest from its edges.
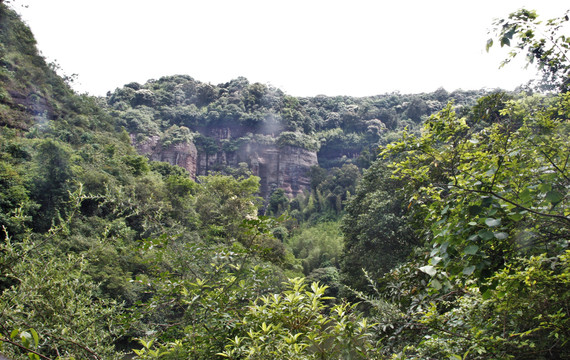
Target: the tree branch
(25, 348)
(79, 346)
(552, 162)
(491, 192)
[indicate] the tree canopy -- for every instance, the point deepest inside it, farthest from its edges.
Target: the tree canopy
(435, 226)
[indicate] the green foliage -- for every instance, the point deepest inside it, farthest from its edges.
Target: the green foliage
(175, 135)
(297, 324)
(141, 121)
(489, 194)
(297, 139)
(329, 192)
(199, 297)
(488, 198)
(223, 203)
(278, 202)
(167, 170)
(318, 246)
(327, 276)
(207, 145)
(522, 316)
(223, 119)
(52, 182)
(14, 200)
(542, 44)
(104, 250)
(377, 227)
(138, 164)
(488, 109)
(52, 297)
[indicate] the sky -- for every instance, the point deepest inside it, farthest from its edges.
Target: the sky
(305, 48)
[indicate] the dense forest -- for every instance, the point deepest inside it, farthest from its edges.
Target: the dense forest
(177, 219)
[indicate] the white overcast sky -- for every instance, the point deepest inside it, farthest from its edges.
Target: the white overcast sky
(306, 48)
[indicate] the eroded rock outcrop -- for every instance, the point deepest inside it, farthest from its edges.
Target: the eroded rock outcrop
(183, 154)
(286, 167)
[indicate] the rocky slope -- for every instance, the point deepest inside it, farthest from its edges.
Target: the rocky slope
(286, 167)
(183, 154)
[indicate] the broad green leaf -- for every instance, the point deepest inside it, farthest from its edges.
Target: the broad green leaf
(554, 197)
(490, 222)
(486, 235)
(36, 337)
(428, 269)
(25, 338)
(525, 195)
(469, 270)
(515, 216)
(501, 235)
(545, 187)
(471, 249)
(436, 284)
(435, 260)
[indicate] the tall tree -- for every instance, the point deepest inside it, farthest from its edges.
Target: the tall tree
(377, 227)
(52, 182)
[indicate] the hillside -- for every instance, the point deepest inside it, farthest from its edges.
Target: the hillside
(183, 220)
(80, 209)
(207, 129)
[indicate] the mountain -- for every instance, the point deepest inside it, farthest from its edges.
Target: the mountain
(208, 128)
(131, 226)
(218, 128)
(30, 90)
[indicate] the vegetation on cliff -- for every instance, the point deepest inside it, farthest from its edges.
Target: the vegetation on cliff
(434, 226)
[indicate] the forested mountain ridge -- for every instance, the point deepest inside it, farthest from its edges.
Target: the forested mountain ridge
(446, 216)
(278, 137)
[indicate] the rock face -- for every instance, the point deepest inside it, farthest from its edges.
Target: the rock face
(285, 167)
(183, 154)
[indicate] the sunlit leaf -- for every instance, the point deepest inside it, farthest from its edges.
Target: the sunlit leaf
(490, 222)
(436, 284)
(501, 235)
(428, 269)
